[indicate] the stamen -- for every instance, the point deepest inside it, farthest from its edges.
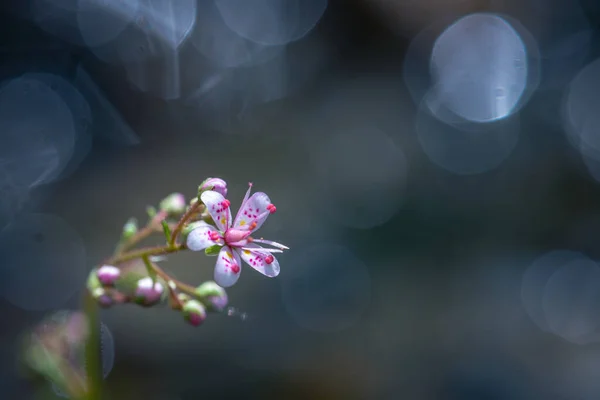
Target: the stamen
(272, 243)
(262, 250)
(271, 207)
(214, 236)
(269, 259)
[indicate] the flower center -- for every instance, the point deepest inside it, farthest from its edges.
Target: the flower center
(236, 235)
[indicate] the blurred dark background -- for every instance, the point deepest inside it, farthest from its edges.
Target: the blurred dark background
(434, 163)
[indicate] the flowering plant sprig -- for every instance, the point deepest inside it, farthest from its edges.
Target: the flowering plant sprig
(204, 224)
(131, 275)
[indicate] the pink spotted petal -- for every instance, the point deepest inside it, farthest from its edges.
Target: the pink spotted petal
(218, 208)
(259, 258)
(254, 210)
(200, 238)
(228, 267)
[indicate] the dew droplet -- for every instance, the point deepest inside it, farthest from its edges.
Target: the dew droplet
(234, 312)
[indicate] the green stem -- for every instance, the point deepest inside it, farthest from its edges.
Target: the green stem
(184, 219)
(149, 268)
(151, 227)
(145, 251)
(92, 349)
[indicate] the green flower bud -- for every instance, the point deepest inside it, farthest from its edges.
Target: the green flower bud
(93, 282)
(194, 312)
(190, 227)
(173, 204)
(130, 228)
(212, 295)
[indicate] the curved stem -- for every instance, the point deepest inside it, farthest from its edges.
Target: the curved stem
(151, 227)
(194, 209)
(184, 287)
(92, 348)
(145, 251)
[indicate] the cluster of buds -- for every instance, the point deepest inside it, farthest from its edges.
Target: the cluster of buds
(109, 286)
(204, 224)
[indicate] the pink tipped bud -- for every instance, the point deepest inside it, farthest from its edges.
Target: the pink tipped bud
(216, 184)
(174, 204)
(104, 300)
(212, 295)
(194, 312)
(148, 292)
(108, 275)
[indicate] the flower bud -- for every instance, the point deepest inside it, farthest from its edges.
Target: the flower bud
(130, 228)
(93, 282)
(216, 184)
(194, 312)
(183, 298)
(173, 204)
(212, 295)
(108, 275)
(191, 226)
(104, 300)
(147, 292)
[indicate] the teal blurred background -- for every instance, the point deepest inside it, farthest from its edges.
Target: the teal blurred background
(421, 170)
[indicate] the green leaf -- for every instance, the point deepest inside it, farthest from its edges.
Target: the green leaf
(166, 230)
(213, 250)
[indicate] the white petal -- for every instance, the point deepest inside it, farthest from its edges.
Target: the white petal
(199, 239)
(228, 267)
(255, 256)
(218, 208)
(253, 210)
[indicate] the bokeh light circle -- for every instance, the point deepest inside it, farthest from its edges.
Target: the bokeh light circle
(38, 133)
(571, 301)
(465, 148)
(271, 22)
(479, 64)
(446, 55)
(325, 288)
(222, 46)
(535, 279)
(101, 21)
(361, 175)
(580, 117)
(80, 111)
